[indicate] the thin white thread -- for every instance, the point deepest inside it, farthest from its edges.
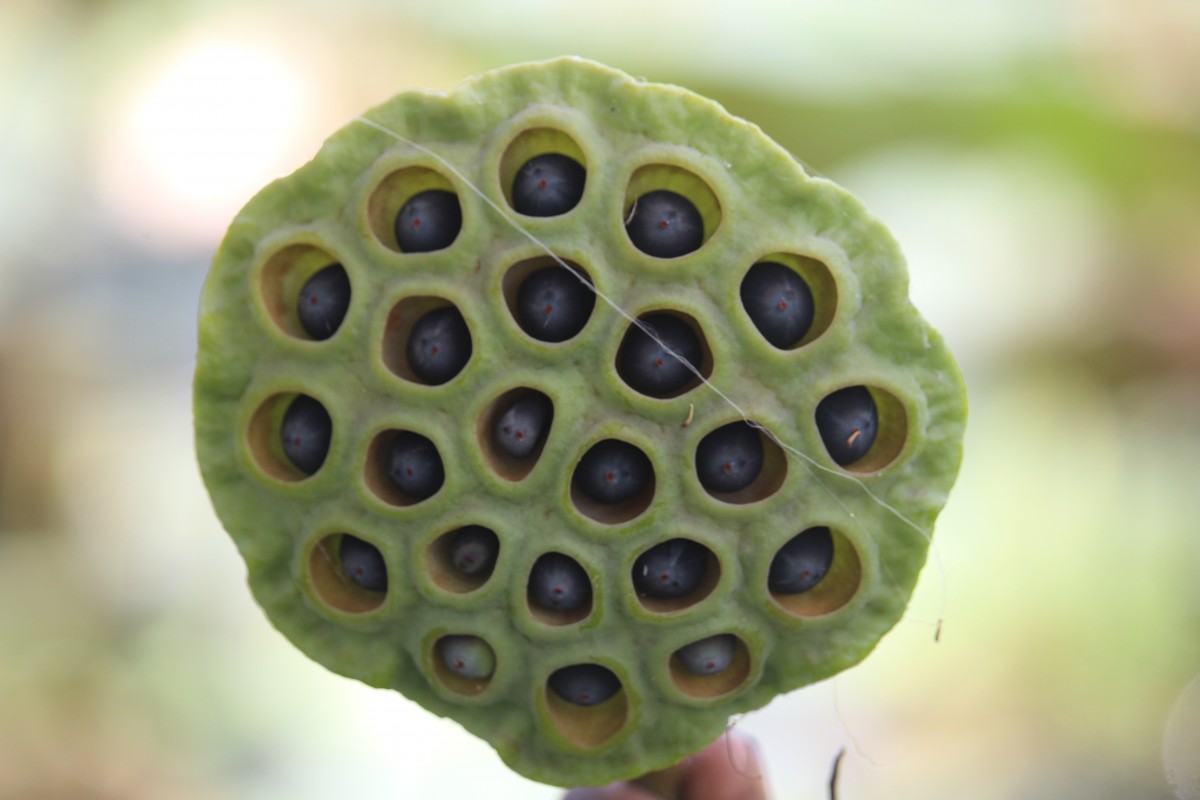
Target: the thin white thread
(837, 708)
(810, 463)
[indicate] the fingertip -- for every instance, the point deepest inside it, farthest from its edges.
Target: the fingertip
(613, 791)
(728, 769)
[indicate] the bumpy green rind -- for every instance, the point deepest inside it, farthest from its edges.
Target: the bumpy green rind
(767, 205)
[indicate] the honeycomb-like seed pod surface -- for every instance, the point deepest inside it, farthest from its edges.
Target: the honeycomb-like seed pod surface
(519, 503)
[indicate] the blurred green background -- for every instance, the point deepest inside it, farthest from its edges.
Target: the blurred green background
(1039, 163)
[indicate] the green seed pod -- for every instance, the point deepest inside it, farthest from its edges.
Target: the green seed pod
(722, 198)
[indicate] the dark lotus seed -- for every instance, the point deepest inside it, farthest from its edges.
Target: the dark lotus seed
(652, 368)
(848, 421)
(558, 583)
(323, 301)
(708, 656)
(729, 458)
(778, 302)
(414, 465)
(473, 550)
(671, 569)
(429, 221)
(305, 434)
(612, 472)
(363, 564)
(584, 684)
(801, 563)
(439, 345)
(553, 305)
(548, 185)
(519, 429)
(468, 656)
(665, 224)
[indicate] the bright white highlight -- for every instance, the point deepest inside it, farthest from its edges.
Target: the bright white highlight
(201, 136)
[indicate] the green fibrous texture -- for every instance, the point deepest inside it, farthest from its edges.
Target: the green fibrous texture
(757, 205)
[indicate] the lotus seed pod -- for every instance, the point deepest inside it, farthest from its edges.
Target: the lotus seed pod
(398, 431)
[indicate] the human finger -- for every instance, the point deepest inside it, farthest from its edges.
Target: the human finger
(614, 791)
(728, 769)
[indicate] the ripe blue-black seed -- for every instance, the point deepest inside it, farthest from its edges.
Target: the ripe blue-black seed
(520, 428)
(553, 305)
(708, 656)
(657, 369)
(848, 421)
(612, 472)
(778, 302)
(429, 221)
(729, 458)
(584, 684)
(473, 550)
(670, 569)
(414, 465)
(363, 563)
(548, 185)
(468, 656)
(558, 583)
(323, 301)
(305, 434)
(439, 345)
(665, 224)
(801, 563)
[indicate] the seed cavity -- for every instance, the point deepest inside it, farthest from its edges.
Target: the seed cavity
(613, 482)
(548, 185)
(674, 575)
(428, 221)
(463, 663)
(778, 302)
(305, 434)
(347, 573)
(463, 560)
(559, 590)
(553, 304)
(323, 301)
(660, 358)
(713, 667)
(814, 573)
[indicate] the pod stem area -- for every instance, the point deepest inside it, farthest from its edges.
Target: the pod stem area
(666, 783)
